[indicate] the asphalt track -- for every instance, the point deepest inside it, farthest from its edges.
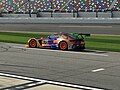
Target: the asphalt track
(83, 28)
(90, 68)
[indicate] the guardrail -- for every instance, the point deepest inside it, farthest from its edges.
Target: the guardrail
(59, 20)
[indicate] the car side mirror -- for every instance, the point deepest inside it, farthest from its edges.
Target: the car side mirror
(87, 35)
(49, 37)
(41, 38)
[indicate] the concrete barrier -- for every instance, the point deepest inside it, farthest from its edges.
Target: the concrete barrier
(18, 15)
(108, 14)
(44, 14)
(65, 15)
(87, 14)
(104, 14)
(116, 14)
(56, 14)
(59, 20)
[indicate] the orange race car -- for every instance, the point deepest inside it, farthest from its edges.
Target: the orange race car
(62, 41)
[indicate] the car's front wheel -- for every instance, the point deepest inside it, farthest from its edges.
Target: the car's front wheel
(33, 43)
(63, 45)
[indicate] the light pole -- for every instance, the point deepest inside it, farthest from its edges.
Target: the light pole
(51, 8)
(73, 8)
(97, 7)
(29, 8)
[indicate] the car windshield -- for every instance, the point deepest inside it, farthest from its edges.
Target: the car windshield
(76, 36)
(71, 36)
(54, 36)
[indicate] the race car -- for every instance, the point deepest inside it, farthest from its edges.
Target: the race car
(62, 41)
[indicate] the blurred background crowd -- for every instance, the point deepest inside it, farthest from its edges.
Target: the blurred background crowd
(23, 6)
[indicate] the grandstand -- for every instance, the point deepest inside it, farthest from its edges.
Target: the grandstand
(23, 6)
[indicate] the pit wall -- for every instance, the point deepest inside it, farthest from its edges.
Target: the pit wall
(114, 14)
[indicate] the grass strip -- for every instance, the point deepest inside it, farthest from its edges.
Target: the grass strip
(104, 42)
(103, 46)
(20, 38)
(97, 42)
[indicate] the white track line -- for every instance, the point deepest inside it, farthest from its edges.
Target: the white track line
(85, 53)
(97, 70)
(32, 84)
(49, 82)
(86, 26)
(19, 87)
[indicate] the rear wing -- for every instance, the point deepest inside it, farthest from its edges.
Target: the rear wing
(84, 34)
(80, 35)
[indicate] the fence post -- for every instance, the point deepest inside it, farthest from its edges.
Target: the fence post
(29, 8)
(111, 13)
(51, 13)
(77, 13)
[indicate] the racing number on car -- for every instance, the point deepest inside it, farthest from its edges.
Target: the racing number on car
(45, 42)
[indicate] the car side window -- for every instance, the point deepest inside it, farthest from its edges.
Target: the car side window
(65, 36)
(53, 36)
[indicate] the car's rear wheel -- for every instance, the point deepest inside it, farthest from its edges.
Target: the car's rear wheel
(32, 43)
(63, 45)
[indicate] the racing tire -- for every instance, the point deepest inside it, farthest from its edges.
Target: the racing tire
(32, 43)
(63, 45)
